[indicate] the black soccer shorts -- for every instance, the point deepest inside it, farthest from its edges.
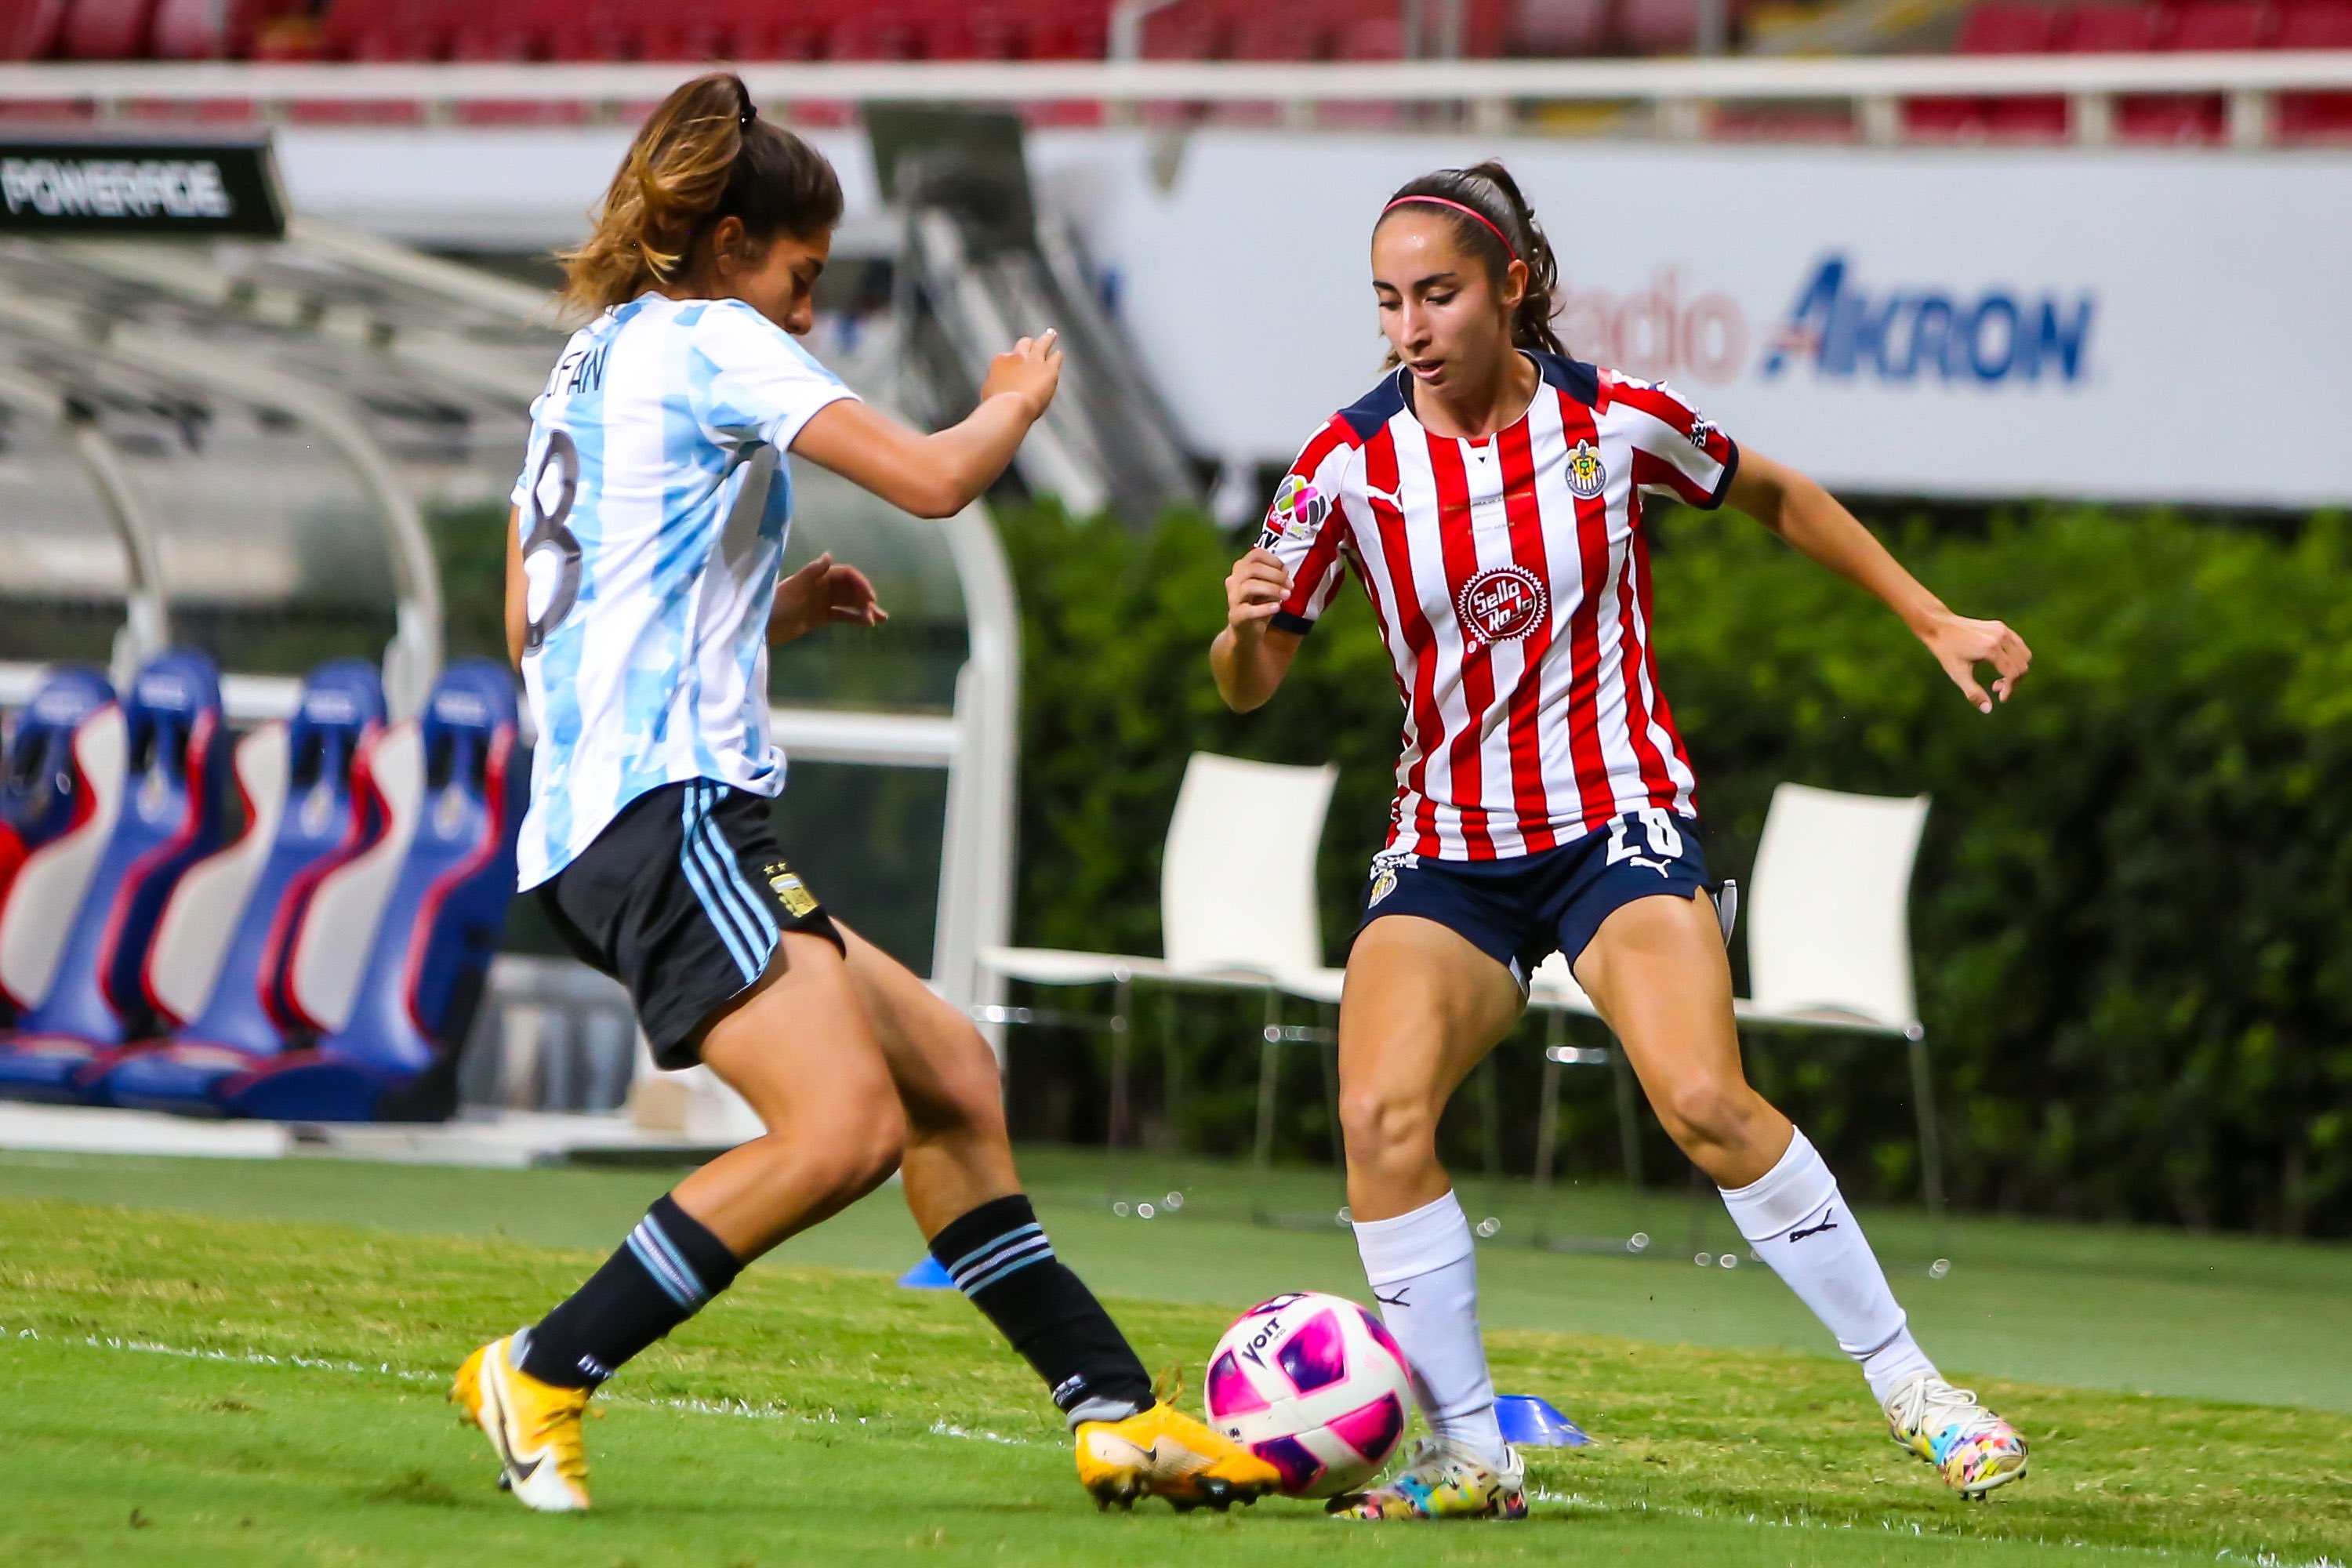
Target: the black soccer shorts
(682, 899)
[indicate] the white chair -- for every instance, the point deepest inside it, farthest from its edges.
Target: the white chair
(1236, 905)
(1829, 931)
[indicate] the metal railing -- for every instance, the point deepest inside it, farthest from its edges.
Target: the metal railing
(1672, 98)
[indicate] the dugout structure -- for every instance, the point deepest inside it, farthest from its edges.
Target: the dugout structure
(243, 441)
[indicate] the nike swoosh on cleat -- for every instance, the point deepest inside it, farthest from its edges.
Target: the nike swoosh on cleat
(515, 1468)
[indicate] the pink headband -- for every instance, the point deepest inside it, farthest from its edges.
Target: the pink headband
(1508, 249)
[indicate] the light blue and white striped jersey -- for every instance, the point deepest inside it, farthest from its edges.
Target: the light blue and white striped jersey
(653, 503)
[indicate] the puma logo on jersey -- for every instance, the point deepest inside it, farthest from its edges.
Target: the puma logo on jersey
(1660, 866)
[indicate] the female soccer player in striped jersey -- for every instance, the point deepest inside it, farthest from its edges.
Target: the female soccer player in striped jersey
(1488, 491)
(641, 597)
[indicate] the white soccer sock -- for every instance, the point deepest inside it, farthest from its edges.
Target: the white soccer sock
(1425, 1273)
(1796, 1218)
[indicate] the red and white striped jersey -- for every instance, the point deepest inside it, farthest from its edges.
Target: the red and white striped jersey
(1511, 581)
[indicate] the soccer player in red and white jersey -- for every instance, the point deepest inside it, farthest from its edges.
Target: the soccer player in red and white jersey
(1488, 492)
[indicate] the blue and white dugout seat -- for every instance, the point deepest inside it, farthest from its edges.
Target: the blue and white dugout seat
(389, 1013)
(146, 779)
(224, 956)
(41, 788)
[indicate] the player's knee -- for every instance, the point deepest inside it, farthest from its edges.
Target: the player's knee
(1382, 1124)
(970, 1098)
(870, 1152)
(865, 1137)
(1703, 1109)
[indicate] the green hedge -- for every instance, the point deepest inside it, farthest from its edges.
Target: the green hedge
(2135, 960)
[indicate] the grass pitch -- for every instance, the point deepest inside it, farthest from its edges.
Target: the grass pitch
(192, 1388)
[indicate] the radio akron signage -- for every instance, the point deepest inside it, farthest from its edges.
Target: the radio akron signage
(2166, 325)
(146, 187)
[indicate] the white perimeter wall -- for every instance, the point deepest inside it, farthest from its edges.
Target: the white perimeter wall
(2122, 324)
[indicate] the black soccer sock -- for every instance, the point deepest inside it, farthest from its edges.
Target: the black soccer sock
(999, 1257)
(666, 1272)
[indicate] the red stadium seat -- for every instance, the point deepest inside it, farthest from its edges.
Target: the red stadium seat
(1073, 30)
(2221, 25)
(208, 30)
(29, 29)
(106, 29)
(1370, 38)
(1189, 30)
(876, 31)
(1558, 29)
(1995, 27)
(1280, 34)
(1659, 26)
(2007, 28)
(2314, 116)
(2110, 30)
(2195, 117)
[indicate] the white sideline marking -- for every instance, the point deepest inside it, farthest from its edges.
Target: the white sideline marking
(745, 1410)
(740, 1409)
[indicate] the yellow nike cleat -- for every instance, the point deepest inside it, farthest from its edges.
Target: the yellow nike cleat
(534, 1426)
(1163, 1452)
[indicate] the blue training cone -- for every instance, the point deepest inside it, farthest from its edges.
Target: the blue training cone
(1530, 1422)
(929, 1275)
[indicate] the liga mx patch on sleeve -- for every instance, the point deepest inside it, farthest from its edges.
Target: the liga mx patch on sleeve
(790, 890)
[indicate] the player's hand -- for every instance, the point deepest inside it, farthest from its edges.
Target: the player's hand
(822, 592)
(1031, 370)
(1960, 645)
(1254, 590)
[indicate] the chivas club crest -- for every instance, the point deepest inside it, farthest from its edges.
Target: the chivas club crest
(1501, 604)
(1385, 866)
(1586, 477)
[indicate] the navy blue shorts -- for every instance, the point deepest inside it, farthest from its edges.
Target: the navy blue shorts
(1521, 909)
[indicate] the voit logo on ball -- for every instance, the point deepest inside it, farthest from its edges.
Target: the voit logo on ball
(1502, 604)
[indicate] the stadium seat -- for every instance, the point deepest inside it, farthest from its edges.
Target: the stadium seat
(74, 936)
(328, 820)
(204, 30)
(2314, 116)
(38, 780)
(1276, 34)
(2109, 30)
(2193, 116)
(1996, 27)
(106, 29)
(1658, 26)
(29, 30)
(1071, 30)
(1558, 29)
(391, 1013)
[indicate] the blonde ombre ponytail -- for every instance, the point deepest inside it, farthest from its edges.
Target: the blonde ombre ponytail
(705, 154)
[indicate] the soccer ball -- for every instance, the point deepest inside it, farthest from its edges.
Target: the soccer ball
(1314, 1386)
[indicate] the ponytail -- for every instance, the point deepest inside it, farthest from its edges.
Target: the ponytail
(1492, 222)
(704, 156)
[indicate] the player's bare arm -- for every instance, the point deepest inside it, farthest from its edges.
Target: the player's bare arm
(517, 591)
(940, 474)
(1801, 512)
(1251, 656)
